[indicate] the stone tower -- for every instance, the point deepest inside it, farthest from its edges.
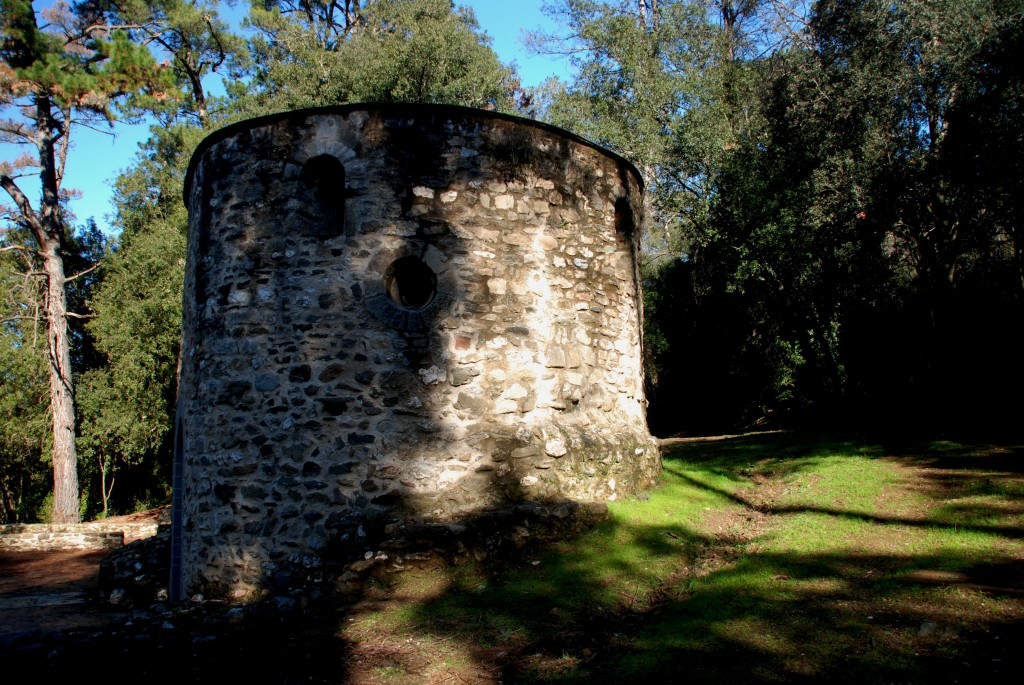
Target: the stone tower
(399, 311)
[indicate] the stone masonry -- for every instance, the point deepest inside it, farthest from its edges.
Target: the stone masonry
(46, 537)
(399, 313)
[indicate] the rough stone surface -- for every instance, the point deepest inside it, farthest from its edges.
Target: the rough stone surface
(40, 537)
(399, 314)
(137, 573)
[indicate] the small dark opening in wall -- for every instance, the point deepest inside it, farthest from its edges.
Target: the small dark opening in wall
(624, 221)
(410, 283)
(324, 175)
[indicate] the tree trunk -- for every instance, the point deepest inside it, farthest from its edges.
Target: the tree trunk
(105, 492)
(50, 234)
(62, 401)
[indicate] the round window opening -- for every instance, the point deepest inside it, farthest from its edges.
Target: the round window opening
(410, 283)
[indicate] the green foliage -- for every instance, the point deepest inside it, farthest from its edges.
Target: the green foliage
(664, 84)
(76, 66)
(60, 69)
(24, 401)
(127, 401)
(138, 307)
(386, 51)
(767, 557)
(125, 359)
(126, 405)
(195, 38)
(858, 256)
(25, 429)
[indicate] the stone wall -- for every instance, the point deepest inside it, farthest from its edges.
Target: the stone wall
(47, 537)
(396, 313)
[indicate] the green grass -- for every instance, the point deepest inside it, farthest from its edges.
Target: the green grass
(390, 673)
(764, 558)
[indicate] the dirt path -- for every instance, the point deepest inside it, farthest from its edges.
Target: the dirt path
(52, 591)
(44, 591)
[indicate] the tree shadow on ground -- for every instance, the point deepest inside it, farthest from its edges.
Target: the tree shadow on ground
(727, 605)
(695, 582)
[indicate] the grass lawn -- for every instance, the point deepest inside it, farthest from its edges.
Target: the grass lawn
(759, 558)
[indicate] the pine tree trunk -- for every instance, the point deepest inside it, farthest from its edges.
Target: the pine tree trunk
(62, 402)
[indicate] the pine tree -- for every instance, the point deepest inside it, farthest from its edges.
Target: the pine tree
(60, 68)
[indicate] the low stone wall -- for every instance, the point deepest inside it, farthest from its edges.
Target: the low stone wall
(47, 537)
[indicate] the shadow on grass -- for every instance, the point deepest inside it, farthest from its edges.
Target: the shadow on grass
(970, 513)
(691, 584)
(676, 602)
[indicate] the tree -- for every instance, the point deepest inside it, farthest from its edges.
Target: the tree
(909, 98)
(311, 54)
(668, 84)
(863, 237)
(71, 71)
(23, 395)
(833, 184)
(194, 38)
(127, 403)
(673, 86)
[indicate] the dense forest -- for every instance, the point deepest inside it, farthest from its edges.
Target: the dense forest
(830, 230)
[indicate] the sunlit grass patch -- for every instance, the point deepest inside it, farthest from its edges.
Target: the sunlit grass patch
(390, 673)
(395, 617)
(841, 484)
(551, 668)
(769, 558)
(686, 490)
(622, 563)
(985, 510)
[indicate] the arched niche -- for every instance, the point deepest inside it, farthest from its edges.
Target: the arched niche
(324, 179)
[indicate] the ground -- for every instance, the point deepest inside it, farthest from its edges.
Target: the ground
(44, 591)
(759, 558)
(51, 591)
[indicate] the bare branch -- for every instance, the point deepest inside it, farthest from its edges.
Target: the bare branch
(220, 46)
(24, 205)
(96, 125)
(81, 273)
(12, 319)
(63, 143)
(15, 129)
(25, 251)
(793, 19)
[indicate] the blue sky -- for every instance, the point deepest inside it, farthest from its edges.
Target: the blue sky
(97, 157)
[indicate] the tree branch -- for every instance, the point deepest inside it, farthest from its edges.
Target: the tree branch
(16, 130)
(19, 248)
(10, 319)
(105, 28)
(81, 273)
(62, 150)
(28, 214)
(216, 37)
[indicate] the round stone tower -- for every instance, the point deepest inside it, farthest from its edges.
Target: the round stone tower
(394, 312)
